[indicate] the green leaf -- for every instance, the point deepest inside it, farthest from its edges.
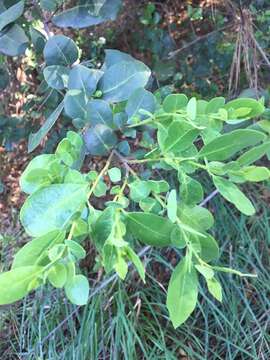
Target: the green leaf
(214, 105)
(192, 108)
(191, 191)
(149, 228)
(52, 208)
(139, 190)
(84, 79)
(75, 102)
(13, 41)
(11, 14)
(158, 186)
(84, 15)
(178, 138)
(35, 252)
(209, 248)
(214, 288)
(113, 57)
(133, 257)
(121, 267)
(231, 193)
(140, 99)
(44, 162)
(174, 102)
(76, 249)
(99, 140)
(103, 227)
(122, 79)
(182, 292)
(255, 108)
(60, 50)
(225, 146)
(77, 290)
(254, 154)
(100, 112)
(115, 174)
(36, 138)
(172, 205)
(101, 189)
(256, 173)
(57, 275)
(56, 76)
(38, 40)
(150, 205)
(207, 272)
(17, 283)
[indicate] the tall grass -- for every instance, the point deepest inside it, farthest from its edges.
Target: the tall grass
(130, 321)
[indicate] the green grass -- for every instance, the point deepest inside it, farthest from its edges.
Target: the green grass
(130, 321)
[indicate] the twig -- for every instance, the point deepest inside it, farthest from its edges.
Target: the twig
(173, 53)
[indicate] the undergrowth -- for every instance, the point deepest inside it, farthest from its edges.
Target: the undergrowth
(129, 321)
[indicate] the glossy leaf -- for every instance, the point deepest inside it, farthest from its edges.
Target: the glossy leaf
(122, 79)
(52, 208)
(99, 140)
(56, 76)
(140, 99)
(83, 15)
(60, 50)
(11, 14)
(84, 79)
(99, 112)
(13, 41)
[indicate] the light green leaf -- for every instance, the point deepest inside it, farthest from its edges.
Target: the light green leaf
(121, 267)
(158, 186)
(174, 102)
(215, 288)
(233, 107)
(191, 191)
(254, 154)
(225, 146)
(139, 190)
(206, 272)
(137, 262)
(35, 251)
(77, 290)
(36, 138)
(192, 108)
(256, 173)
(172, 205)
(52, 208)
(57, 275)
(214, 105)
(209, 248)
(231, 193)
(179, 137)
(76, 249)
(182, 292)
(16, 283)
(114, 174)
(43, 162)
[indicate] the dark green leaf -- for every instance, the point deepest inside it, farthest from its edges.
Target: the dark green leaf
(56, 76)
(99, 140)
(82, 78)
(60, 50)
